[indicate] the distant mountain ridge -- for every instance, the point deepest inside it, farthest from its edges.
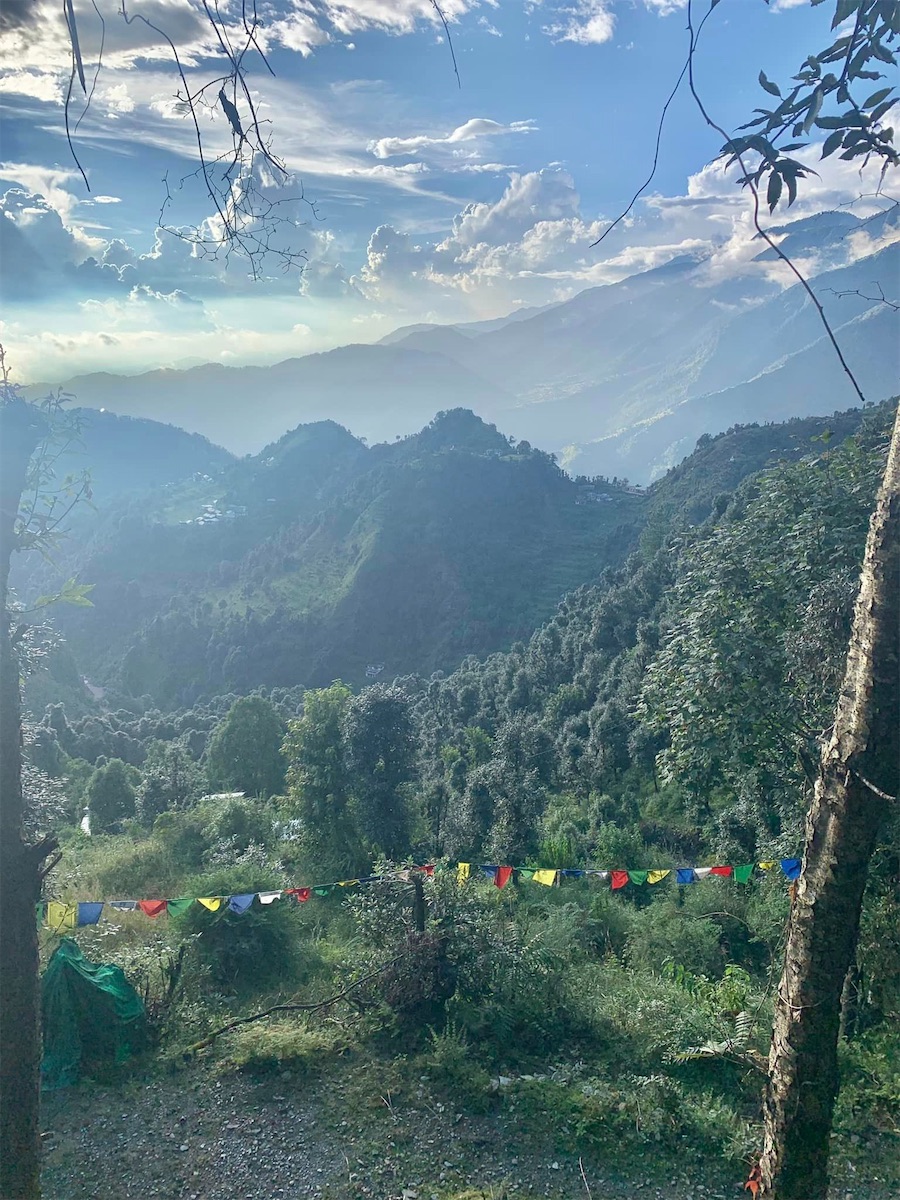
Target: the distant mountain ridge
(620, 379)
(323, 558)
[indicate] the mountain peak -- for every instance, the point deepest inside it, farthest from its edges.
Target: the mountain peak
(461, 429)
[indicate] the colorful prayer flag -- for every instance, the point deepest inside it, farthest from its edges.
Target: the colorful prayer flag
(685, 875)
(489, 869)
(152, 907)
(323, 889)
(619, 879)
(123, 905)
(744, 873)
(546, 877)
(638, 877)
(725, 872)
(240, 904)
(502, 878)
(61, 916)
(703, 872)
(768, 864)
(657, 876)
(301, 895)
(89, 912)
(268, 897)
(791, 867)
(179, 906)
(213, 903)
(463, 870)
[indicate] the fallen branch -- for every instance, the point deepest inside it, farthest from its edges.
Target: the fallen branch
(279, 1008)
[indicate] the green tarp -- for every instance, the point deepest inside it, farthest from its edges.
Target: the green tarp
(91, 1016)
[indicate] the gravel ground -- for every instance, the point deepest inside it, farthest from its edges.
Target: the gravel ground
(196, 1135)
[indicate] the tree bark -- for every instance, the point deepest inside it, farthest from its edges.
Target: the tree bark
(21, 428)
(858, 776)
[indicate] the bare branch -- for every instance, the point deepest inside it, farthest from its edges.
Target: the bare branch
(879, 299)
(437, 8)
(748, 181)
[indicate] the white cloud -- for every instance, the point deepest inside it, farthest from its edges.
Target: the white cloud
(392, 16)
(48, 183)
(40, 49)
(586, 23)
(144, 308)
(39, 85)
(117, 100)
(665, 7)
(534, 243)
(472, 130)
(486, 25)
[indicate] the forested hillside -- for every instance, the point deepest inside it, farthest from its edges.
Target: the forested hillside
(665, 715)
(322, 558)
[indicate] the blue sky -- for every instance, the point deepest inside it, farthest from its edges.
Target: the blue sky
(432, 201)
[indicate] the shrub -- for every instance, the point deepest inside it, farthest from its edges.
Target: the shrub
(241, 951)
(452, 1068)
(661, 931)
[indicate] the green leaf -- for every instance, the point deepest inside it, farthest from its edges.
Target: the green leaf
(882, 53)
(76, 593)
(877, 97)
(843, 9)
(832, 143)
(773, 192)
(772, 88)
(71, 592)
(815, 107)
(882, 109)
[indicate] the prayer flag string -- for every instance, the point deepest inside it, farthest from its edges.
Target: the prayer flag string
(61, 917)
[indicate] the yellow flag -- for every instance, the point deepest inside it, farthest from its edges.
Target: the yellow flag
(61, 916)
(545, 876)
(347, 882)
(656, 876)
(213, 903)
(767, 865)
(462, 872)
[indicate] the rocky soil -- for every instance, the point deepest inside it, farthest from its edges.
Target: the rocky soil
(200, 1134)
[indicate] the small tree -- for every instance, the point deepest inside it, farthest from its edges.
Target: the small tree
(319, 777)
(245, 750)
(172, 781)
(381, 756)
(110, 795)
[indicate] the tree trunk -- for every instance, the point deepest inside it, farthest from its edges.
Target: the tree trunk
(857, 778)
(21, 427)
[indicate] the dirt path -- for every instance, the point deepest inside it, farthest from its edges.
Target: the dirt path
(194, 1135)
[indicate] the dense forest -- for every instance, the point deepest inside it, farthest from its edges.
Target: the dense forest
(666, 713)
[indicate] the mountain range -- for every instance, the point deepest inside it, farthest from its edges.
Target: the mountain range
(322, 557)
(619, 380)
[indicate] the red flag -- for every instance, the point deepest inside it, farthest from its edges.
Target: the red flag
(299, 894)
(152, 907)
(725, 872)
(501, 879)
(428, 869)
(619, 879)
